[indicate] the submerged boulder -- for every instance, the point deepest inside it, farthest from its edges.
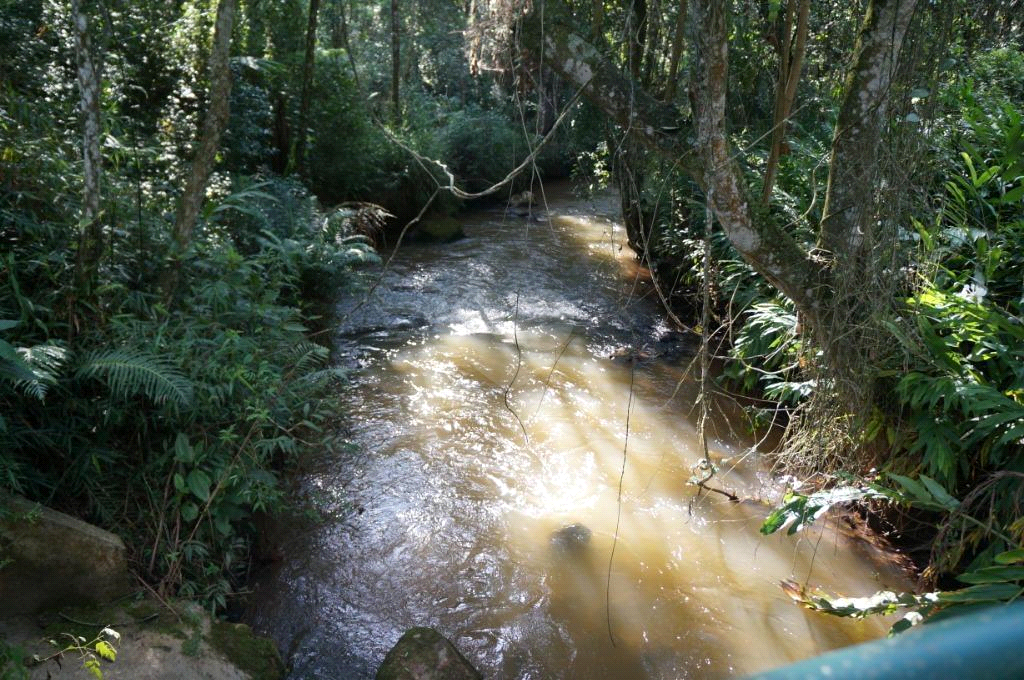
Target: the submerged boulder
(439, 229)
(572, 538)
(425, 654)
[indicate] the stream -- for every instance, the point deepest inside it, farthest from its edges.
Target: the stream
(507, 386)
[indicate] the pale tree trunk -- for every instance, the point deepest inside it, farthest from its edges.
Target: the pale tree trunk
(848, 217)
(90, 78)
(791, 56)
(339, 38)
(216, 119)
(308, 64)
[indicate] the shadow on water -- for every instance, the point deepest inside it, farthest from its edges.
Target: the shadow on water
(495, 380)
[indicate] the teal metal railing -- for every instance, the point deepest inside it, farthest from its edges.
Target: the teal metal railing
(986, 644)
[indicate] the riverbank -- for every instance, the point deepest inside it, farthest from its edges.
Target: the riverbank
(147, 640)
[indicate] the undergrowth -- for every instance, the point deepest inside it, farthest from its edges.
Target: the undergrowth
(171, 422)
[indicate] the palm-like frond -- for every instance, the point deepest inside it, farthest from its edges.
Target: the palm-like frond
(129, 372)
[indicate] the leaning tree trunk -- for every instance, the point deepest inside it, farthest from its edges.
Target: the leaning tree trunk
(218, 110)
(90, 75)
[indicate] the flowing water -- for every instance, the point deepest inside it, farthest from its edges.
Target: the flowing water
(507, 386)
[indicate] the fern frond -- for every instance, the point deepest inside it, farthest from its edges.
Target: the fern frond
(305, 356)
(327, 374)
(33, 370)
(130, 372)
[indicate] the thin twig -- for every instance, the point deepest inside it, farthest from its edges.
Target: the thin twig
(618, 512)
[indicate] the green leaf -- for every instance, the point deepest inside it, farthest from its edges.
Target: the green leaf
(988, 592)
(223, 525)
(1010, 557)
(12, 366)
(189, 511)
(183, 452)
(106, 650)
(1012, 196)
(799, 511)
(199, 484)
(994, 574)
(92, 664)
(939, 493)
(179, 482)
(774, 521)
(917, 491)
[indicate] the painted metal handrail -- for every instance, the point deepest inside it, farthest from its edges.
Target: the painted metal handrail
(986, 643)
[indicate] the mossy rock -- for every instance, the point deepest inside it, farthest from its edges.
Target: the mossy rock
(425, 654)
(439, 229)
(251, 653)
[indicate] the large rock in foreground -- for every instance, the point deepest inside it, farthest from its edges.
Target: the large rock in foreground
(425, 654)
(50, 559)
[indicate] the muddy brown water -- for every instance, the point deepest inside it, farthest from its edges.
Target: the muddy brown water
(493, 403)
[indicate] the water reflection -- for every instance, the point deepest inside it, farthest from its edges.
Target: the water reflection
(490, 414)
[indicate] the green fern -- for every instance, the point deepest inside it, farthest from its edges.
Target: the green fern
(306, 356)
(130, 372)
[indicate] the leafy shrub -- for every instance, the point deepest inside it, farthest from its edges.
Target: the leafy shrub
(349, 158)
(481, 146)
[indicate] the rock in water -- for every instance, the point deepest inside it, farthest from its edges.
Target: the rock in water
(571, 539)
(425, 654)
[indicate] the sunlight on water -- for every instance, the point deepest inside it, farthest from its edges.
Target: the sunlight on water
(534, 396)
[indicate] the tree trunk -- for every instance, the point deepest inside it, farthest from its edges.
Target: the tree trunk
(767, 248)
(339, 38)
(791, 56)
(299, 158)
(636, 36)
(653, 42)
(677, 52)
(396, 62)
(597, 21)
(216, 119)
(90, 78)
(847, 226)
